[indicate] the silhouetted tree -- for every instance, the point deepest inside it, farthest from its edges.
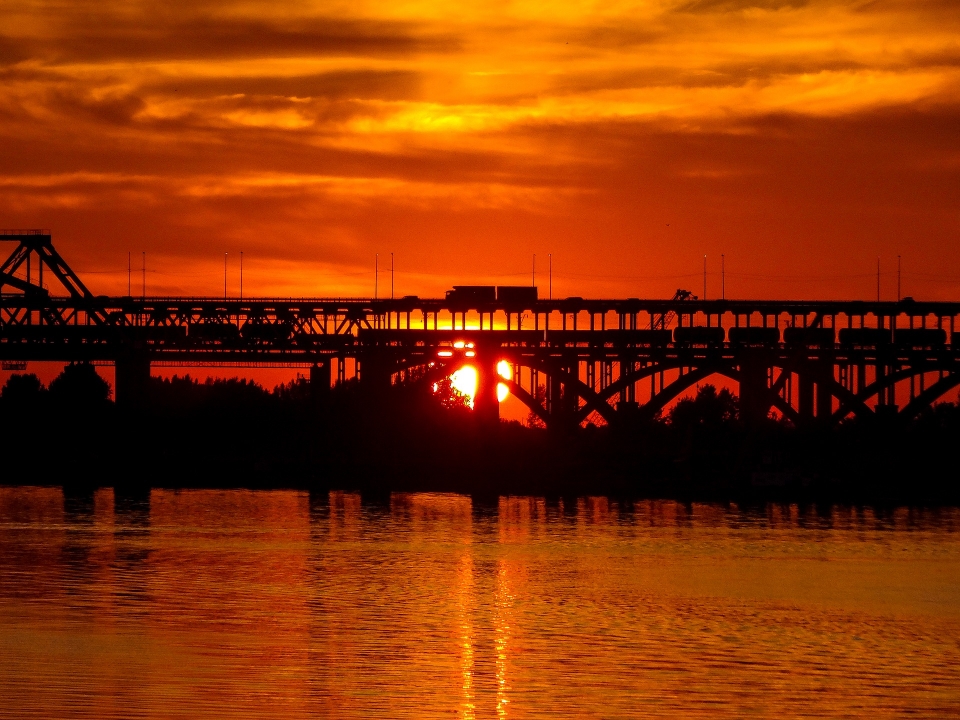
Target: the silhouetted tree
(709, 409)
(449, 397)
(79, 384)
(236, 393)
(295, 392)
(22, 390)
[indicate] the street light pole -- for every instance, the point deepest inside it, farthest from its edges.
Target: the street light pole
(723, 276)
(878, 279)
(704, 277)
(224, 276)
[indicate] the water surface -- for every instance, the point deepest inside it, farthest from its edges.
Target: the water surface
(240, 604)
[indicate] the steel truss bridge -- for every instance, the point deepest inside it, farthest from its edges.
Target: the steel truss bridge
(571, 360)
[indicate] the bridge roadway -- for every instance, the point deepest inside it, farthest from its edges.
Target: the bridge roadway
(570, 360)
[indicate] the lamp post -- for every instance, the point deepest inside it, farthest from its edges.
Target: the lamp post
(878, 278)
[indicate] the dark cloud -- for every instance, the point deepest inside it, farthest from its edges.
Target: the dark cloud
(113, 109)
(725, 6)
(729, 74)
(112, 37)
(12, 51)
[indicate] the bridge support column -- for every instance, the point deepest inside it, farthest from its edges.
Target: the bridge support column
(374, 373)
(824, 396)
(320, 379)
(554, 396)
(628, 394)
(132, 379)
(754, 402)
(485, 403)
(805, 397)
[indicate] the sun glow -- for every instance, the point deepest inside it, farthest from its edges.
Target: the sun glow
(464, 381)
(503, 370)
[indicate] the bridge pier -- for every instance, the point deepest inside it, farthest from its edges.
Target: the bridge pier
(805, 396)
(485, 402)
(374, 372)
(320, 379)
(754, 401)
(824, 395)
(132, 379)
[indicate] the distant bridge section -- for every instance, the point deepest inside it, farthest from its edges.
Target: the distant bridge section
(571, 360)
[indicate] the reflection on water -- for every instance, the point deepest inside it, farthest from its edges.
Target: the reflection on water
(285, 604)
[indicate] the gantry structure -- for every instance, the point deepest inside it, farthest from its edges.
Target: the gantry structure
(570, 361)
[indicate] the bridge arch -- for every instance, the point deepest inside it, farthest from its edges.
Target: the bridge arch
(439, 369)
(918, 403)
(555, 369)
(673, 390)
(813, 372)
(929, 396)
(598, 400)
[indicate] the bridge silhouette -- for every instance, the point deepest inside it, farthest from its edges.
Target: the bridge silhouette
(613, 359)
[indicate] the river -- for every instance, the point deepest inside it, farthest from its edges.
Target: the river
(282, 604)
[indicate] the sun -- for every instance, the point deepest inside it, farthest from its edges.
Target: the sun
(466, 379)
(506, 372)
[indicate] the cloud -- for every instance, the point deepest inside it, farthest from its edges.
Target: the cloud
(102, 36)
(352, 84)
(725, 6)
(791, 135)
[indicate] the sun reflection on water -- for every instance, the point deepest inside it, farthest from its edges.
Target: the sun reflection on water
(243, 604)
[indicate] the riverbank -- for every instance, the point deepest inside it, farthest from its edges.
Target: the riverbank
(236, 434)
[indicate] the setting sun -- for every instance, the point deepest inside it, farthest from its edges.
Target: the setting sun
(464, 381)
(504, 371)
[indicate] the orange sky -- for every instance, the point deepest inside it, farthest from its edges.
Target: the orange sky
(800, 139)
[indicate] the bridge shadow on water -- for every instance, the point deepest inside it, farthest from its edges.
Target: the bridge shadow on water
(408, 438)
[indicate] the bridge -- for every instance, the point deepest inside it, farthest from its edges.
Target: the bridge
(571, 360)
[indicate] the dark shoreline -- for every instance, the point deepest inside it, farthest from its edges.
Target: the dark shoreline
(236, 434)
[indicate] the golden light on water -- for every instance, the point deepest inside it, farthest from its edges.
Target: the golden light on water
(242, 604)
